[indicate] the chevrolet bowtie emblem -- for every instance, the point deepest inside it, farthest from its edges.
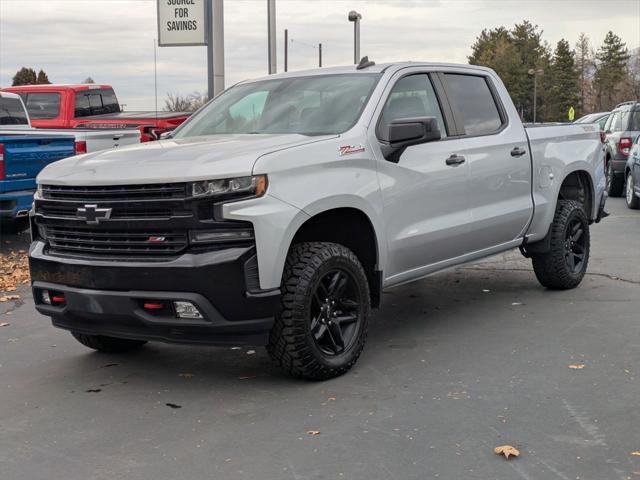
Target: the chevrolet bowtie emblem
(92, 214)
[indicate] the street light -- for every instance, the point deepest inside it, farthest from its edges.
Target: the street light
(355, 17)
(536, 73)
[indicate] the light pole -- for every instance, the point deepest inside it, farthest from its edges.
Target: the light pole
(355, 17)
(271, 35)
(536, 73)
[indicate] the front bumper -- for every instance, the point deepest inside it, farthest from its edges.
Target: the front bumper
(106, 297)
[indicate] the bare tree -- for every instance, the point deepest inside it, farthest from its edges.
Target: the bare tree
(184, 103)
(88, 80)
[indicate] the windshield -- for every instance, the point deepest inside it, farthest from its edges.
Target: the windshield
(317, 105)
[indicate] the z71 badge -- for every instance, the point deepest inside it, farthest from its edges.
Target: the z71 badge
(348, 149)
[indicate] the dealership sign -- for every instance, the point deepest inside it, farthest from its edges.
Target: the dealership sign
(181, 22)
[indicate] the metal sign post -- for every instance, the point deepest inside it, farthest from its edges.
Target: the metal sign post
(271, 33)
(183, 23)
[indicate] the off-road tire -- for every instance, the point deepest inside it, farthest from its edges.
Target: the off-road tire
(551, 268)
(291, 344)
(615, 184)
(633, 202)
(105, 344)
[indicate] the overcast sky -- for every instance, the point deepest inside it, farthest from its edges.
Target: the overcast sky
(112, 40)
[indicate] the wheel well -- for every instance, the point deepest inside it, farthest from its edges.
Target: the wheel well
(577, 186)
(353, 229)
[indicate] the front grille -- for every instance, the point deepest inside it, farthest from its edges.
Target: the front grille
(100, 242)
(119, 212)
(162, 191)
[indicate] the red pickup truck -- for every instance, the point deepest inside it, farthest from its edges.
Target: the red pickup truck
(90, 106)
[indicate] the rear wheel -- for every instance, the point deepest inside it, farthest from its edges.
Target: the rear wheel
(633, 201)
(107, 344)
(321, 327)
(615, 184)
(565, 264)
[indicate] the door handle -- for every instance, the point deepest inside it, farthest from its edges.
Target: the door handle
(455, 160)
(518, 152)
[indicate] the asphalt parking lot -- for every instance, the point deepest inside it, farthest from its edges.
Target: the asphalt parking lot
(455, 365)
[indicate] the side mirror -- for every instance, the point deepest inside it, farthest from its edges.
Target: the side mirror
(405, 132)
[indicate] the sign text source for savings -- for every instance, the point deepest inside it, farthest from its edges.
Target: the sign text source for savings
(181, 22)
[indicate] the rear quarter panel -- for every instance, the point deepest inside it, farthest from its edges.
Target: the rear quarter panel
(557, 151)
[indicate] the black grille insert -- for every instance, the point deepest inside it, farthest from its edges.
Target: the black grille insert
(115, 192)
(97, 242)
(119, 212)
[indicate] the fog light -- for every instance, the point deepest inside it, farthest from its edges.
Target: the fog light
(46, 299)
(186, 310)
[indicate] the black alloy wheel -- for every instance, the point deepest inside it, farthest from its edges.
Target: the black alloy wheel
(335, 312)
(574, 245)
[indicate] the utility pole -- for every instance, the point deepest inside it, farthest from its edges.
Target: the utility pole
(271, 30)
(535, 73)
(319, 55)
(286, 49)
(215, 47)
(355, 17)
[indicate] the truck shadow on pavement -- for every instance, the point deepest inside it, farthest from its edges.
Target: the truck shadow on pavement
(416, 321)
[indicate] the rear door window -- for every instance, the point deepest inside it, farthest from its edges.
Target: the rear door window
(473, 102)
(95, 102)
(634, 122)
(42, 106)
(411, 96)
(12, 112)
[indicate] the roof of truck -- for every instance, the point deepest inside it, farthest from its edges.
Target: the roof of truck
(377, 68)
(56, 87)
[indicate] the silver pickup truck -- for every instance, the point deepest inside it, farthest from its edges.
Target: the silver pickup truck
(278, 213)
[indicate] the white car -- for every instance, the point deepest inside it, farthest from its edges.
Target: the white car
(278, 212)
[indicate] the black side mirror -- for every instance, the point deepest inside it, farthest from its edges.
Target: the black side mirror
(405, 132)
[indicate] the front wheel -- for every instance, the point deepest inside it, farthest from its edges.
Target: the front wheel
(633, 201)
(321, 326)
(565, 264)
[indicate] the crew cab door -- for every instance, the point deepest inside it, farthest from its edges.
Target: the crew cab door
(424, 194)
(497, 153)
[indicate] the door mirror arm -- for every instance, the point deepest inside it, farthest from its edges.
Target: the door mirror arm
(405, 132)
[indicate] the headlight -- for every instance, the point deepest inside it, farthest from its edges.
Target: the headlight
(255, 186)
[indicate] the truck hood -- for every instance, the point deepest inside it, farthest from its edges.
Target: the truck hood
(172, 160)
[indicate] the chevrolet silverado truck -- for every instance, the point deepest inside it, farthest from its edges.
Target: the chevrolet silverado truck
(15, 120)
(278, 213)
(91, 106)
(21, 159)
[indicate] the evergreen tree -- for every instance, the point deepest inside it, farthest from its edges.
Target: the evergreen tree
(585, 68)
(88, 80)
(611, 70)
(564, 82)
(25, 76)
(42, 79)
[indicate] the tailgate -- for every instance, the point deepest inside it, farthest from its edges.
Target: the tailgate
(25, 156)
(104, 139)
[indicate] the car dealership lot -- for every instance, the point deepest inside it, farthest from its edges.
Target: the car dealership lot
(455, 365)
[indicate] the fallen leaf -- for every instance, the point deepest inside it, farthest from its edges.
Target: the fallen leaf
(93, 390)
(636, 453)
(331, 399)
(579, 366)
(186, 375)
(4, 324)
(173, 405)
(7, 298)
(109, 365)
(313, 432)
(507, 451)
